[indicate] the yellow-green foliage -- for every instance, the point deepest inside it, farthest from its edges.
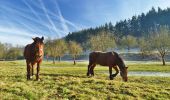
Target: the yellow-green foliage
(66, 81)
(102, 42)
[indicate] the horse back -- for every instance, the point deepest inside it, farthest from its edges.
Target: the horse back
(102, 58)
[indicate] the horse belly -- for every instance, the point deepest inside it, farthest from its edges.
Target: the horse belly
(102, 62)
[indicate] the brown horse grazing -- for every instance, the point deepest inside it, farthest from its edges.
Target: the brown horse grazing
(111, 59)
(33, 54)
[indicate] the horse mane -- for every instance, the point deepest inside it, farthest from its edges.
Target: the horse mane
(120, 59)
(117, 55)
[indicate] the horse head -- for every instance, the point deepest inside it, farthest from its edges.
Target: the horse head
(123, 73)
(38, 47)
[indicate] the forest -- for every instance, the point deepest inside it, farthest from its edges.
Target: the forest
(137, 26)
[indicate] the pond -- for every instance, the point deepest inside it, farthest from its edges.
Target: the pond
(145, 73)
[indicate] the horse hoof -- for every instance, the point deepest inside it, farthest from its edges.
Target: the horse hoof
(114, 75)
(38, 80)
(111, 78)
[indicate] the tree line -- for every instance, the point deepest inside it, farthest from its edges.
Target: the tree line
(137, 26)
(156, 42)
(8, 52)
(57, 48)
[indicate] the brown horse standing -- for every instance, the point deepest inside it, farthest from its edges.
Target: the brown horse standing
(33, 54)
(111, 59)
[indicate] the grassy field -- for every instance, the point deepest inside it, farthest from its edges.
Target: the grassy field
(66, 81)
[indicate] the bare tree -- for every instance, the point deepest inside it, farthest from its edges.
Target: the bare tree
(74, 49)
(128, 42)
(55, 48)
(144, 46)
(102, 42)
(160, 42)
(60, 48)
(50, 49)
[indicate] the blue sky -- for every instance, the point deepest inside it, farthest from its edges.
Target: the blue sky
(20, 20)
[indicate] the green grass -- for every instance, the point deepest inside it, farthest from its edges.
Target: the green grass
(148, 66)
(66, 81)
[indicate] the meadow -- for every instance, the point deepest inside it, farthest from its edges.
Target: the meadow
(66, 81)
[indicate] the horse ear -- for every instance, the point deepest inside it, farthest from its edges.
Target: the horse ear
(42, 38)
(33, 39)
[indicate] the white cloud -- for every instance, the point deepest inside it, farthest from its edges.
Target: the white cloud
(48, 17)
(16, 36)
(62, 20)
(16, 31)
(15, 40)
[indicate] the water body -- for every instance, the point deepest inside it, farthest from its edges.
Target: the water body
(146, 73)
(142, 73)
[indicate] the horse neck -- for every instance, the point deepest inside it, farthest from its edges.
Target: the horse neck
(33, 52)
(33, 44)
(121, 65)
(33, 47)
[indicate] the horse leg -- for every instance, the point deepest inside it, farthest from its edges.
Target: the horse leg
(38, 69)
(92, 69)
(32, 70)
(110, 72)
(117, 71)
(88, 69)
(28, 70)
